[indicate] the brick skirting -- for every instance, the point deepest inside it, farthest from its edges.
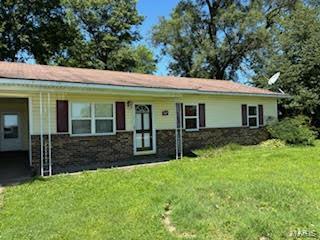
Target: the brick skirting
(69, 152)
(222, 136)
(73, 153)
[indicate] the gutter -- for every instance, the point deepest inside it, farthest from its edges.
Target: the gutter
(96, 86)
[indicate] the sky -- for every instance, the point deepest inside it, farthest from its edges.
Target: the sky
(152, 10)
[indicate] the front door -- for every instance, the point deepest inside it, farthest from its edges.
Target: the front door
(143, 129)
(10, 132)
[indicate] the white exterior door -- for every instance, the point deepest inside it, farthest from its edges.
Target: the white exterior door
(144, 132)
(10, 132)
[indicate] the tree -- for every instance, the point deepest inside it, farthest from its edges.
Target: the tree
(212, 38)
(133, 59)
(145, 62)
(32, 29)
(295, 52)
(105, 28)
(93, 34)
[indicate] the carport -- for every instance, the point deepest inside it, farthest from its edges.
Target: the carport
(14, 167)
(14, 139)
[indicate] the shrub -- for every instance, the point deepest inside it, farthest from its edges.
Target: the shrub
(273, 143)
(294, 130)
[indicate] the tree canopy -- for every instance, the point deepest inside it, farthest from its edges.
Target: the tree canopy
(212, 38)
(294, 51)
(96, 34)
(34, 28)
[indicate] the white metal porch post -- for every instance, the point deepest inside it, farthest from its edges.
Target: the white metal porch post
(41, 135)
(45, 164)
(179, 132)
(49, 134)
(30, 129)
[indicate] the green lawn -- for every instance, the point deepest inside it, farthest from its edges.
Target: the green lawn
(248, 193)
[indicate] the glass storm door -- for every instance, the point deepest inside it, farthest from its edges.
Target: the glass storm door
(10, 132)
(143, 128)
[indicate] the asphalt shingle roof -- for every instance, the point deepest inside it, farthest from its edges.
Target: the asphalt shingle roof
(104, 77)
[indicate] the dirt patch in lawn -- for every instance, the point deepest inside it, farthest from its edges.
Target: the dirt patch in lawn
(166, 218)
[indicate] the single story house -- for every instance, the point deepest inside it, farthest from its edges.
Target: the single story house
(67, 117)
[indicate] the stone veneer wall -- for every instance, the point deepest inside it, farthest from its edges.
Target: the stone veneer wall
(75, 153)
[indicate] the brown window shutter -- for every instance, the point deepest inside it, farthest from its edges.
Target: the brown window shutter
(62, 116)
(261, 115)
(121, 115)
(202, 115)
(244, 112)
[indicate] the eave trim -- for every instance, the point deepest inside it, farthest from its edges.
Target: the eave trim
(93, 86)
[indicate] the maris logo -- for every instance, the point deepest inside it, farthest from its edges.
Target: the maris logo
(302, 233)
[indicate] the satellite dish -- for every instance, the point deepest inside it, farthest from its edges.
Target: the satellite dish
(274, 78)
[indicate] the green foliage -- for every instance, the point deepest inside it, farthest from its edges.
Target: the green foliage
(145, 62)
(212, 38)
(232, 147)
(295, 52)
(293, 131)
(138, 59)
(273, 143)
(107, 29)
(217, 151)
(33, 29)
(253, 193)
(93, 34)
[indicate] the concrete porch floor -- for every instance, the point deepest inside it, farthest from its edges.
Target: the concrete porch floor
(14, 167)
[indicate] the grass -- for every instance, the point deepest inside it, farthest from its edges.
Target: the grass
(230, 193)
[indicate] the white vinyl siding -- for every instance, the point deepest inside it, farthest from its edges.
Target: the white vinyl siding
(225, 111)
(221, 111)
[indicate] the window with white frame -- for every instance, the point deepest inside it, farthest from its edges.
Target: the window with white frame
(92, 118)
(253, 116)
(191, 117)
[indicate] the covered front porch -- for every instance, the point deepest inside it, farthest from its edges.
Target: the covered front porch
(14, 167)
(15, 161)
